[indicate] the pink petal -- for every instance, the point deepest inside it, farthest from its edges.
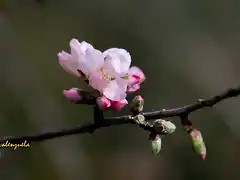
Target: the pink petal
(103, 103)
(78, 53)
(203, 156)
(123, 83)
(118, 105)
(133, 79)
(76, 49)
(139, 98)
(114, 91)
(68, 64)
(97, 82)
(72, 94)
(133, 88)
(136, 72)
(85, 46)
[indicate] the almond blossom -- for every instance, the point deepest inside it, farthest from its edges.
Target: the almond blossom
(108, 72)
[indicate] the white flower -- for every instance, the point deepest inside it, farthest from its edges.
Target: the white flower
(108, 72)
(116, 66)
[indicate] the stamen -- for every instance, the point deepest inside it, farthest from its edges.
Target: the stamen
(125, 76)
(105, 75)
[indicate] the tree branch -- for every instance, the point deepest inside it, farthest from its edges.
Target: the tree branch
(127, 119)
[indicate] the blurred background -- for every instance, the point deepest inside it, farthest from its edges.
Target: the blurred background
(188, 49)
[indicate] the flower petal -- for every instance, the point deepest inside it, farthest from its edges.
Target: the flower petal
(136, 73)
(85, 46)
(95, 60)
(103, 103)
(120, 59)
(114, 92)
(122, 83)
(133, 79)
(68, 64)
(76, 49)
(133, 88)
(72, 94)
(109, 66)
(96, 81)
(118, 105)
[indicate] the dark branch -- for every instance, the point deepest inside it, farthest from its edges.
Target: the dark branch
(127, 119)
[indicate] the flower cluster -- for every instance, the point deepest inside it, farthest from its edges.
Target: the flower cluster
(108, 72)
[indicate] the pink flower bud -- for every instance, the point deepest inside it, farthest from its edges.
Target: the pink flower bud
(103, 103)
(72, 94)
(134, 79)
(203, 156)
(139, 98)
(118, 105)
(137, 75)
(137, 104)
(198, 143)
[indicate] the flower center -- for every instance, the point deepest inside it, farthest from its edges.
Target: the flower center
(105, 75)
(125, 76)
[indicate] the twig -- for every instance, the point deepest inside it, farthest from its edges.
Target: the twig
(127, 119)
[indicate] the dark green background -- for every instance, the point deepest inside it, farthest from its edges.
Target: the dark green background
(188, 49)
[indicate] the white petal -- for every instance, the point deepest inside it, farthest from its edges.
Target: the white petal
(68, 64)
(114, 92)
(119, 58)
(123, 83)
(109, 67)
(97, 82)
(76, 49)
(95, 59)
(85, 46)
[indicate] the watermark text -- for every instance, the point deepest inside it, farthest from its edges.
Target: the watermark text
(8, 144)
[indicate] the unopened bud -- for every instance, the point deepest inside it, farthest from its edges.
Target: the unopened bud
(137, 104)
(118, 105)
(156, 143)
(72, 94)
(167, 126)
(139, 119)
(198, 143)
(103, 103)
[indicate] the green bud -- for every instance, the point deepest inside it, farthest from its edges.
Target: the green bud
(198, 143)
(167, 126)
(156, 143)
(137, 104)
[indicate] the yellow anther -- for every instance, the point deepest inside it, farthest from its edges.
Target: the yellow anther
(105, 75)
(125, 76)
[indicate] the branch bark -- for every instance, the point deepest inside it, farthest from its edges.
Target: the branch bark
(183, 111)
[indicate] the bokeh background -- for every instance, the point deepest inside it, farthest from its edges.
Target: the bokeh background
(188, 49)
